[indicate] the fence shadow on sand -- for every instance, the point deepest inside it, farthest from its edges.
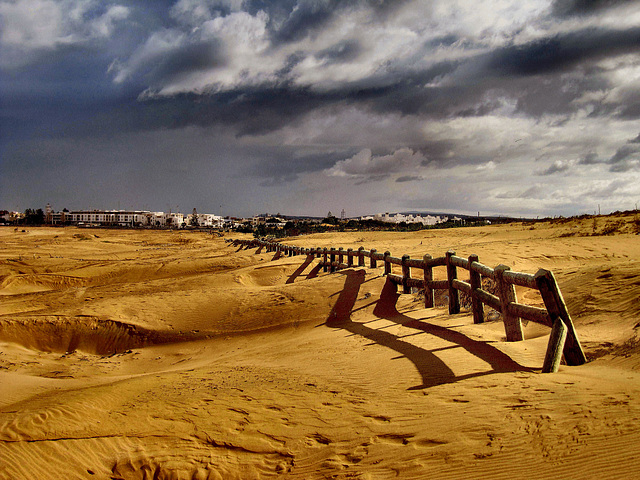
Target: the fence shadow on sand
(431, 368)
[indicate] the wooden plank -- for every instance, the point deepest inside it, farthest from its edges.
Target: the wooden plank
(557, 341)
(462, 286)
(488, 299)
(438, 262)
(428, 279)
(482, 269)
(533, 314)
(406, 274)
(415, 263)
(394, 260)
(440, 284)
(397, 279)
(415, 282)
(460, 262)
(556, 307)
(522, 279)
(475, 282)
(452, 274)
(507, 294)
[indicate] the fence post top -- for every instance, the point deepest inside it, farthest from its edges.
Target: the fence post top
(405, 257)
(502, 268)
(361, 248)
(473, 257)
(387, 253)
(450, 253)
(543, 273)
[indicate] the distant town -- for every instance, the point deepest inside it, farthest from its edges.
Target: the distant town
(262, 224)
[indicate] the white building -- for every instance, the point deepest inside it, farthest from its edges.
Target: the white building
(399, 218)
(207, 220)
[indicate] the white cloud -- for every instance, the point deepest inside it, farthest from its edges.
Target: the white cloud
(240, 41)
(32, 26)
(151, 52)
(366, 165)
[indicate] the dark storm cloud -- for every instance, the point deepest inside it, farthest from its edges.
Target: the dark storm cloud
(567, 8)
(556, 167)
(625, 158)
(591, 158)
(563, 51)
(285, 164)
(252, 111)
(409, 178)
(265, 107)
(183, 60)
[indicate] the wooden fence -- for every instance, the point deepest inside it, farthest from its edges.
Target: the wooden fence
(563, 338)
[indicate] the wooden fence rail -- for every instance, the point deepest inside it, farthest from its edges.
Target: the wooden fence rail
(563, 339)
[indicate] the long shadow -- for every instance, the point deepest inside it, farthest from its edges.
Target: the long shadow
(431, 368)
(314, 271)
(300, 269)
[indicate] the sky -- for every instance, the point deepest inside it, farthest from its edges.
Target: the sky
(301, 107)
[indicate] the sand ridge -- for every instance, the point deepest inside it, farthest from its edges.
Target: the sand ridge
(250, 367)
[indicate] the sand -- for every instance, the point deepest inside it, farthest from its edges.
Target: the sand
(151, 354)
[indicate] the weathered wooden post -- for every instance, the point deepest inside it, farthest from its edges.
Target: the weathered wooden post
(340, 257)
(374, 262)
(476, 283)
(557, 339)
(387, 263)
(361, 257)
(512, 323)
(406, 274)
(333, 259)
(553, 300)
(349, 257)
(428, 278)
(325, 267)
(452, 274)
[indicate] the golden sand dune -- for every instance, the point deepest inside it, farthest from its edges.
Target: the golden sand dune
(144, 354)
